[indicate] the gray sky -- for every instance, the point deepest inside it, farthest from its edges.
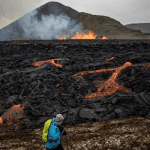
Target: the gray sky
(124, 11)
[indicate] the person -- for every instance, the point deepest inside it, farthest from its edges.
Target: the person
(55, 132)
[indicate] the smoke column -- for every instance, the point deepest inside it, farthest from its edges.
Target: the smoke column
(37, 26)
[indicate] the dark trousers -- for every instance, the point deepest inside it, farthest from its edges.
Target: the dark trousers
(59, 147)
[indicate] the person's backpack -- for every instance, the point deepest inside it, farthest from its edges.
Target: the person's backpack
(46, 129)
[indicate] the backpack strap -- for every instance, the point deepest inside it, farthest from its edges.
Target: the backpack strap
(48, 129)
(54, 125)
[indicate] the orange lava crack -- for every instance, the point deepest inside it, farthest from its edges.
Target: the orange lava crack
(109, 58)
(108, 87)
(52, 61)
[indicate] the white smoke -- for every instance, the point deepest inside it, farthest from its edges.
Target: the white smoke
(50, 27)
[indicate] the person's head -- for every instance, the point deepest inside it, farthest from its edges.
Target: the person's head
(59, 122)
(59, 119)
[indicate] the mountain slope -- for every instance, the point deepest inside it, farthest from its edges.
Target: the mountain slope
(143, 27)
(109, 27)
(56, 8)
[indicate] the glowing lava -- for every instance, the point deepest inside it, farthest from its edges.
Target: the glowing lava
(108, 87)
(52, 61)
(13, 115)
(62, 38)
(89, 35)
(57, 85)
(104, 38)
(109, 58)
(26, 43)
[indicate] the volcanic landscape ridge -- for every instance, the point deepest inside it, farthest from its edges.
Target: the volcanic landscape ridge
(85, 80)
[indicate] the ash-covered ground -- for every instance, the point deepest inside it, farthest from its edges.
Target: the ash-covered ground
(85, 80)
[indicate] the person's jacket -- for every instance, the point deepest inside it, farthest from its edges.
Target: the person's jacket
(54, 136)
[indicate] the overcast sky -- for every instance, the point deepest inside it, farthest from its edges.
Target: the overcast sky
(124, 11)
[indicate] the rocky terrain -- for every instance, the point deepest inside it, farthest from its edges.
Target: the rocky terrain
(118, 134)
(99, 83)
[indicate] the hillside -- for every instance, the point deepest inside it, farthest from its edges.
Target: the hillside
(51, 8)
(109, 27)
(143, 27)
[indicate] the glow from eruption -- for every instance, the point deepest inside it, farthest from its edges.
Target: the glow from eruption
(104, 37)
(89, 35)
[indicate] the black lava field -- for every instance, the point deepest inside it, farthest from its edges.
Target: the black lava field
(84, 80)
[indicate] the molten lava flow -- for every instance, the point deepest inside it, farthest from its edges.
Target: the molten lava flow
(62, 38)
(89, 35)
(148, 66)
(108, 87)
(104, 37)
(26, 43)
(109, 58)
(57, 85)
(52, 61)
(92, 72)
(1, 120)
(12, 114)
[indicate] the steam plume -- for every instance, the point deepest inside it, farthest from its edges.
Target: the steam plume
(38, 26)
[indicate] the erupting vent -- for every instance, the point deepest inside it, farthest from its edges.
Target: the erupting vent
(89, 35)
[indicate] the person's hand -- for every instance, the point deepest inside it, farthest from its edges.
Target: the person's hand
(64, 133)
(61, 128)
